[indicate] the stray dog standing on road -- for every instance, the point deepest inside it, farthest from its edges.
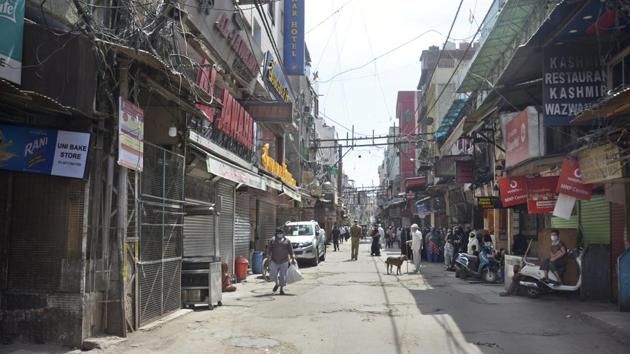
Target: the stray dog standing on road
(395, 261)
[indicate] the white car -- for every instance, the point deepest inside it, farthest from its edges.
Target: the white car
(308, 240)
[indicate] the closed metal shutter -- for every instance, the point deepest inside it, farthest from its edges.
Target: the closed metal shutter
(266, 223)
(225, 195)
(617, 237)
(561, 223)
(199, 235)
(242, 226)
(595, 220)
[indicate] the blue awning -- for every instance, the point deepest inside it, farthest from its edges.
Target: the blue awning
(451, 119)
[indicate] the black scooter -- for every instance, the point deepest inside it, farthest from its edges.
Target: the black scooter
(484, 266)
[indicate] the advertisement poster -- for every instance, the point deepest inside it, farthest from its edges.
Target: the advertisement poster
(517, 140)
(541, 194)
(513, 191)
(570, 181)
(294, 58)
(573, 79)
(43, 151)
(12, 30)
(130, 135)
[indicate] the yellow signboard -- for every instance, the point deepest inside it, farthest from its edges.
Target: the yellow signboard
(273, 167)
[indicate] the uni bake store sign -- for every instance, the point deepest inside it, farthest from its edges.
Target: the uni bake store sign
(573, 79)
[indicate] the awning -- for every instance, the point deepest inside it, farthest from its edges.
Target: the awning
(31, 100)
(457, 132)
(506, 26)
(451, 118)
(415, 183)
(234, 173)
(291, 193)
(536, 165)
(273, 183)
(614, 106)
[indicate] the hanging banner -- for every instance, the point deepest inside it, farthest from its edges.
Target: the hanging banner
(513, 191)
(43, 151)
(12, 30)
(130, 135)
(294, 47)
(573, 79)
(570, 181)
(541, 194)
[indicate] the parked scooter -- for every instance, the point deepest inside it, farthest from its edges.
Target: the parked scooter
(530, 276)
(483, 266)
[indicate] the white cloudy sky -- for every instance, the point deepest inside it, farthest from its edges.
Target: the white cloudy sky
(360, 31)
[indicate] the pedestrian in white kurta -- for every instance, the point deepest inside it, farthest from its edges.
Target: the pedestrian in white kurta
(416, 245)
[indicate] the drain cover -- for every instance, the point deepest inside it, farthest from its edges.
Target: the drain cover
(253, 342)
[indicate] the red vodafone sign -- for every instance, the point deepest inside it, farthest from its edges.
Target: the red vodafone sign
(517, 139)
(542, 195)
(513, 191)
(570, 181)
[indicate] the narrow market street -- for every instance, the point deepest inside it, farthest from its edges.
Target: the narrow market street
(345, 306)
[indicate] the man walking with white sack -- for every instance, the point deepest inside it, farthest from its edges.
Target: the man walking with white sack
(280, 252)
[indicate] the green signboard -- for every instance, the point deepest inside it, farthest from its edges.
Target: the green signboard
(12, 32)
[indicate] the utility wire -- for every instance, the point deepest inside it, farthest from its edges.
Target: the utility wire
(329, 16)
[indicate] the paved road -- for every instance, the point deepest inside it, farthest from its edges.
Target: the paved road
(347, 306)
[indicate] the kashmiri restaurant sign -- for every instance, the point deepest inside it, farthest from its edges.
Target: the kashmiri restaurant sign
(513, 191)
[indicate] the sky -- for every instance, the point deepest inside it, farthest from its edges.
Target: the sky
(344, 34)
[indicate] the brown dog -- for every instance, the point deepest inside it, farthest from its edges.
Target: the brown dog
(395, 261)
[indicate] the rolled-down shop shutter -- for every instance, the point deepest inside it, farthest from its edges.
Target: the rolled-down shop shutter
(199, 237)
(225, 196)
(242, 226)
(561, 223)
(595, 220)
(266, 223)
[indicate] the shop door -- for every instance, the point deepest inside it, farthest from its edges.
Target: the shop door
(225, 194)
(242, 226)
(160, 220)
(266, 224)
(595, 221)
(199, 237)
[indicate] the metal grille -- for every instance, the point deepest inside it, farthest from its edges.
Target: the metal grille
(160, 229)
(242, 227)
(225, 193)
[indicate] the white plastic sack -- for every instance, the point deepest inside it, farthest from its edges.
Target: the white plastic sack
(294, 274)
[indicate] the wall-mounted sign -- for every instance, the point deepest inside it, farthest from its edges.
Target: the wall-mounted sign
(294, 47)
(228, 171)
(489, 202)
(43, 151)
(206, 79)
(275, 168)
(600, 164)
(270, 112)
(523, 136)
(541, 194)
(570, 181)
(275, 80)
(513, 191)
(573, 79)
(239, 46)
(464, 172)
(12, 29)
(130, 135)
(236, 122)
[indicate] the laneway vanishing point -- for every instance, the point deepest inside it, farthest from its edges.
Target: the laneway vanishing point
(346, 306)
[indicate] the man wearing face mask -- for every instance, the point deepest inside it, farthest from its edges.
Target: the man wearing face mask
(557, 260)
(280, 252)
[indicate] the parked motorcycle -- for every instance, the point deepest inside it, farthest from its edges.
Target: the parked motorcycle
(483, 266)
(530, 276)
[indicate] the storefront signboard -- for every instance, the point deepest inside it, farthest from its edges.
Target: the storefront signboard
(573, 79)
(275, 80)
(570, 181)
(43, 151)
(524, 136)
(599, 164)
(513, 191)
(541, 194)
(12, 29)
(294, 46)
(489, 202)
(234, 173)
(130, 135)
(464, 172)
